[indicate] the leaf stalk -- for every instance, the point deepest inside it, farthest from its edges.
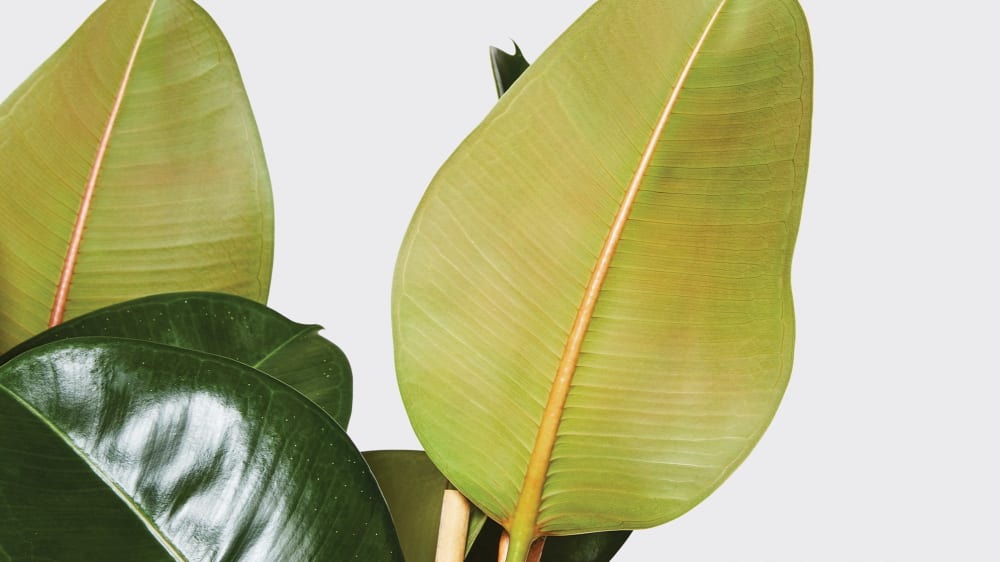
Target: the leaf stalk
(534, 551)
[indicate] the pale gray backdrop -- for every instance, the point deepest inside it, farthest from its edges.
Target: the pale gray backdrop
(885, 448)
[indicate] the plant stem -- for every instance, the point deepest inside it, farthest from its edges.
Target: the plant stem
(504, 545)
(533, 554)
(453, 528)
(522, 534)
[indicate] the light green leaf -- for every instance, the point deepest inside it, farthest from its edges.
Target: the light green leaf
(225, 325)
(592, 308)
(125, 450)
(130, 164)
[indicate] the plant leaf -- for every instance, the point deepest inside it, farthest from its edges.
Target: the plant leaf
(413, 489)
(126, 450)
(130, 164)
(507, 67)
(225, 325)
(593, 322)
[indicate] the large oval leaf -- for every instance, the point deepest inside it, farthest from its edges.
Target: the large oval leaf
(225, 325)
(592, 310)
(130, 164)
(127, 450)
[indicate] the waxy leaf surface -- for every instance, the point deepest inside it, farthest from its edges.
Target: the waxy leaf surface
(226, 325)
(125, 450)
(592, 307)
(130, 164)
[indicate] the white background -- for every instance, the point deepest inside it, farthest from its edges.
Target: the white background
(885, 448)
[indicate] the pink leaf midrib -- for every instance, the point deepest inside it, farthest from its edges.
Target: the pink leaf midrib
(76, 239)
(524, 520)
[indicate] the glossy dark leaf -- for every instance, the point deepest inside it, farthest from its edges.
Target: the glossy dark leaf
(118, 449)
(225, 325)
(507, 67)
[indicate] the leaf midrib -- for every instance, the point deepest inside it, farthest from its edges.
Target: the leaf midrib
(76, 239)
(524, 520)
(304, 331)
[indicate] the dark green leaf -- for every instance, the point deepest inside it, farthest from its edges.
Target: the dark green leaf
(413, 488)
(507, 68)
(229, 326)
(118, 449)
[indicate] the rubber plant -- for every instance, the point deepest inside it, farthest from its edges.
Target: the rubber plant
(592, 312)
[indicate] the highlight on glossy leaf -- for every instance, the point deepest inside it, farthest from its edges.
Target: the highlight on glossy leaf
(118, 449)
(130, 164)
(593, 325)
(226, 325)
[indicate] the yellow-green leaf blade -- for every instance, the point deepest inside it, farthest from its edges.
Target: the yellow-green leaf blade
(181, 196)
(688, 348)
